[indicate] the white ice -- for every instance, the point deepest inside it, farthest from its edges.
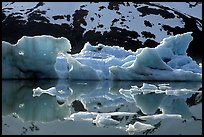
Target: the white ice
(100, 119)
(32, 57)
(160, 116)
(46, 57)
(138, 126)
(103, 120)
(89, 116)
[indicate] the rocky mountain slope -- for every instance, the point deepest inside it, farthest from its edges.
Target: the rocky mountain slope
(131, 25)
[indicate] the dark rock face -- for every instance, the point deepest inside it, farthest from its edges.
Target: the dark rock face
(114, 5)
(37, 16)
(147, 23)
(194, 99)
(58, 17)
(3, 16)
(78, 106)
(15, 25)
(36, 6)
(146, 34)
(148, 11)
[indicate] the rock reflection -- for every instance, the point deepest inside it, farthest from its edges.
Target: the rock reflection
(104, 99)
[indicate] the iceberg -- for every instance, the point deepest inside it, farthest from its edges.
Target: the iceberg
(32, 57)
(43, 57)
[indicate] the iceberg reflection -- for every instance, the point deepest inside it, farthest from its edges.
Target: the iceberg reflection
(18, 98)
(119, 104)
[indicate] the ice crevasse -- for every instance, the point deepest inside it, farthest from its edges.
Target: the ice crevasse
(46, 57)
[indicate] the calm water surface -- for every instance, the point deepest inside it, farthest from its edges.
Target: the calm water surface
(25, 112)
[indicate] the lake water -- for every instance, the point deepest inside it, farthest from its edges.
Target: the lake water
(25, 112)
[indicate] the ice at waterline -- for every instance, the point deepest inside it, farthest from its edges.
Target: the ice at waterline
(46, 57)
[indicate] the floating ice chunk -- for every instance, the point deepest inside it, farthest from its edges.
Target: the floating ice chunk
(164, 86)
(160, 116)
(100, 119)
(148, 86)
(126, 93)
(179, 92)
(138, 127)
(134, 87)
(21, 105)
(120, 113)
(21, 53)
(103, 120)
(38, 91)
(79, 116)
(200, 65)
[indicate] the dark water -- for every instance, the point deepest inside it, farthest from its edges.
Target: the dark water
(24, 112)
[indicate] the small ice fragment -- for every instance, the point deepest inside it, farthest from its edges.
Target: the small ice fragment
(160, 116)
(15, 115)
(134, 87)
(21, 105)
(131, 128)
(164, 86)
(138, 126)
(82, 83)
(148, 86)
(38, 91)
(61, 91)
(82, 116)
(105, 120)
(200, 64)
(21, 53)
